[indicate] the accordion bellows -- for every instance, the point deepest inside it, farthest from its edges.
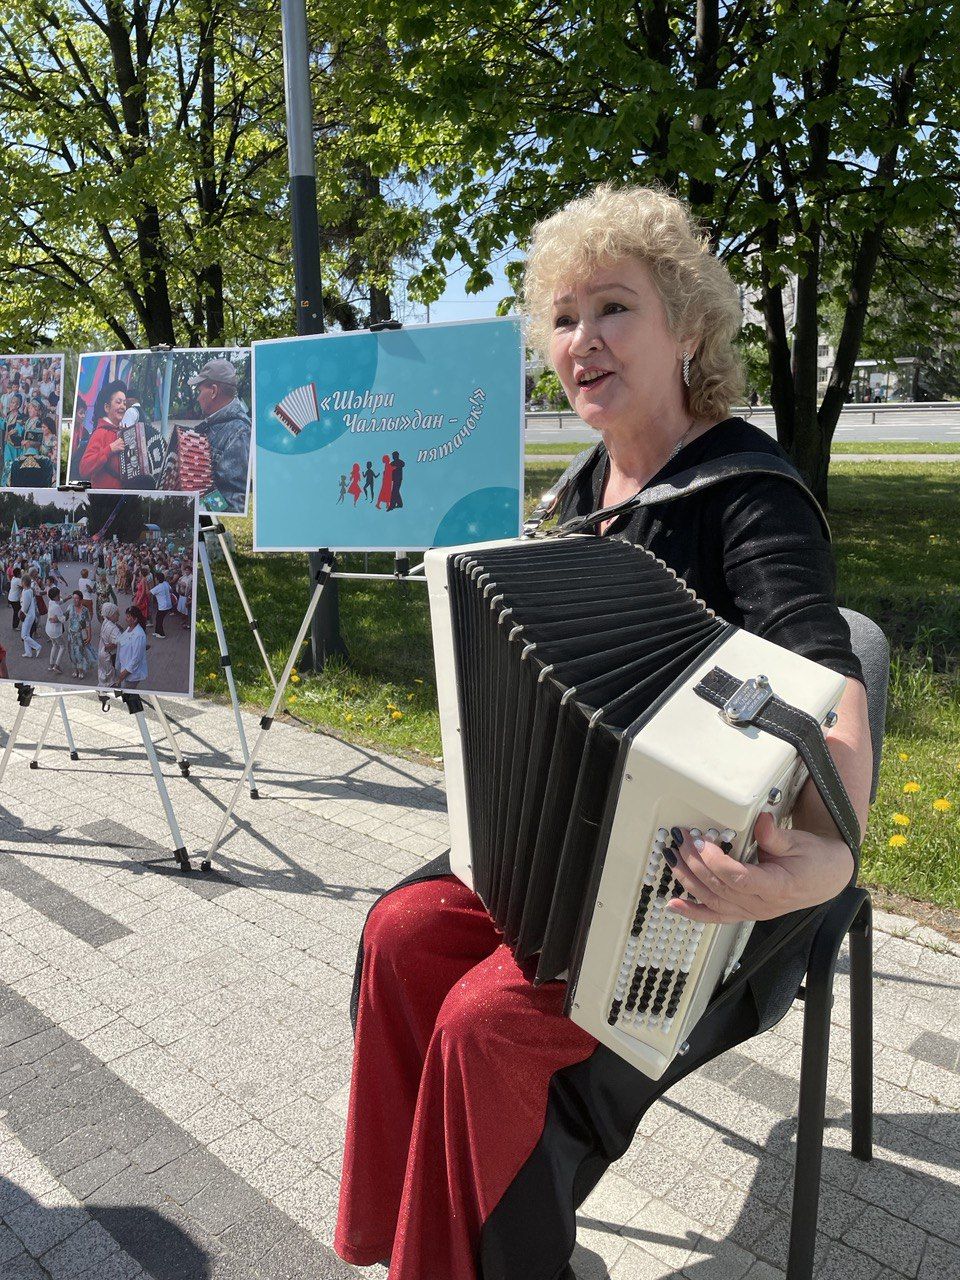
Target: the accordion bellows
(574, 745)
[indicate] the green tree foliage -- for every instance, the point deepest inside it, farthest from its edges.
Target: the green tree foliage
(144, 196)
(914, 307)
(144, 150)
(548, 391)
(806, 136)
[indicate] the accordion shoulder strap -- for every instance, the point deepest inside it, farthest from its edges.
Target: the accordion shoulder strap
(802, 731)
(687, 482)
(551, 499)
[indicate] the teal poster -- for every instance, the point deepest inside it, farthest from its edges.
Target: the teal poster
(392, 441)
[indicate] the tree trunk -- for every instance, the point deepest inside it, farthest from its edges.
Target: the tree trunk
(211, 276)
(706, 77)
(864, 266)
(660, 46)
(380, 309)
(811, 452)
(131, 85)
(851, 334)
(775, 326)
(160, 329)
(379, 298)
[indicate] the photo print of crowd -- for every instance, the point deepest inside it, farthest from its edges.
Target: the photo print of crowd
(99, 589)
(31, 388)
(169, 421)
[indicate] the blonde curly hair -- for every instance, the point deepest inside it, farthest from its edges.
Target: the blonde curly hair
(698, 294)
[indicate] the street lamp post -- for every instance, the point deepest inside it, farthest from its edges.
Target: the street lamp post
(325, 630)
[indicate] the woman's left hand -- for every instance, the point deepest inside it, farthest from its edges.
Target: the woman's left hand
(796, 869)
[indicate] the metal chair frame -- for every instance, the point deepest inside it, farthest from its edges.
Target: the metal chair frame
(851, 914)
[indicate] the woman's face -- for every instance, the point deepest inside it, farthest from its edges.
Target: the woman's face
(77, 598)
(612, 349)
(116, 407)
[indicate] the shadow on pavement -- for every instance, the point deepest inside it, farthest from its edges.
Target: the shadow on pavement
(906, 1213)
(63, 1242)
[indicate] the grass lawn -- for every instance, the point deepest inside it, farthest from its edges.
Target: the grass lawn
(897, 536)
(572, 448)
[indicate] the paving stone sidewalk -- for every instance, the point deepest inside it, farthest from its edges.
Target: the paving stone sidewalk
(175, 1050)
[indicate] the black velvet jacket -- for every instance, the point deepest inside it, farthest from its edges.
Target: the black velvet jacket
(753, 549)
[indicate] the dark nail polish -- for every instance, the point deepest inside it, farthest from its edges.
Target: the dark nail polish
(677, 835)
(726, 846)
(669, 857)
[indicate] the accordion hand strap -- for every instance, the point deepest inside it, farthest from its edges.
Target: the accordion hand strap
(683, 483)
(802, 731)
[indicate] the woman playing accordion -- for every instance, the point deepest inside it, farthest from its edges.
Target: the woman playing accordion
(480, 1116)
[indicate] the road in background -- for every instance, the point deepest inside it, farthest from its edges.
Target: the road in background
(867, 423)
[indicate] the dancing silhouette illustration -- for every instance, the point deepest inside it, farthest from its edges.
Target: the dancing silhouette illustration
(386, 483)
(396, 479)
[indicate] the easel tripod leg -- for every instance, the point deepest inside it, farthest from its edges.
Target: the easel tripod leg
(225, 662)
(135, 707)
(74, 754)
(24, 697)
(35, 762)
(251, 620)
(323, 577)
(182, 765)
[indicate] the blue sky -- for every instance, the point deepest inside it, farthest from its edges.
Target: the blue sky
(456, 304)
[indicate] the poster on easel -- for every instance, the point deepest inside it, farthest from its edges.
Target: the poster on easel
(400, 440)
(31, 393)
(99, 589)
(172, 421)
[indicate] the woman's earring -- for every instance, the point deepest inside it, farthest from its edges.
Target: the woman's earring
(686, 368)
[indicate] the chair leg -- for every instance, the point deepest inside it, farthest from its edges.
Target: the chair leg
(810, 1121)
(861, 1033)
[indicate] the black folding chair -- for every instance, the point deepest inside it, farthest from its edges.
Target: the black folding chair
(849, 916)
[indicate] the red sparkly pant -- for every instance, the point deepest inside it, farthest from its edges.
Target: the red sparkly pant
(454, 1053)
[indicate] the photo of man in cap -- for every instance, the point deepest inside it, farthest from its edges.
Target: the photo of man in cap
(226, 426)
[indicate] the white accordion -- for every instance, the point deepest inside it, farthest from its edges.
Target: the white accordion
(590, 707)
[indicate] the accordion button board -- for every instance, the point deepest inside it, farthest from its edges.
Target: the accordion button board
(577, 754)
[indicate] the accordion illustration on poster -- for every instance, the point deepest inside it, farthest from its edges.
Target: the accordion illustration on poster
(399, 440)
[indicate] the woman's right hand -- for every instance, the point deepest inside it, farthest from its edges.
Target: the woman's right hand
(117, 446)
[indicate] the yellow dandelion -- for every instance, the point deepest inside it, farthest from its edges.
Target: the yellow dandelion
(911, 788)
(897, 841)
(903, 756)
(368, 719)
(212, 675)
(348, 717)
(942, 805)
(292, 698)
(396, 715)
(294, 678)
(901, 820)
(391, 707)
